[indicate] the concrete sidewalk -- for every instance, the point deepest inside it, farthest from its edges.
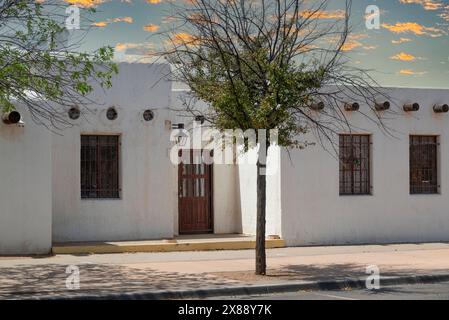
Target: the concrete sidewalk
(25, 277)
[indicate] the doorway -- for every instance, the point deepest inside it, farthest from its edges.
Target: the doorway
(194, 194)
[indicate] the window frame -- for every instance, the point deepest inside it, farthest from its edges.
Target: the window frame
(413, 188)
(115, 193)
(368, 170)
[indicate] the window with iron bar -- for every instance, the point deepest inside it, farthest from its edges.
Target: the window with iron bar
(355, 172)
(423, 164)
(100, 167)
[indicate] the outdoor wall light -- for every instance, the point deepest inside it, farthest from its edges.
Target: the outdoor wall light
(111, 113)
(411, 107)
(352, 106)
(382, 106)
(317, 106)
(181, 135)
(440, 108)
(13, 117)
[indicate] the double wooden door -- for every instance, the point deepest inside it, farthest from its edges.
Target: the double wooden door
(194, 194)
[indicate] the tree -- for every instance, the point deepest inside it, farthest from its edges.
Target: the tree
(40, 71)
(267, 64)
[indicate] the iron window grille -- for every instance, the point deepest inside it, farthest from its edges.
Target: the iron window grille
(100, 167)
(423, 164)
(355, 172)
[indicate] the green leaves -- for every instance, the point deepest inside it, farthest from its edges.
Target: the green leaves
(6, 106)
(250, 90)
(32, 62)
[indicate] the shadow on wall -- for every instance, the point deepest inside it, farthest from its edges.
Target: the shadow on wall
(238, 199)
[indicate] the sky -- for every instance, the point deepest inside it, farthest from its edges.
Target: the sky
(409, 49)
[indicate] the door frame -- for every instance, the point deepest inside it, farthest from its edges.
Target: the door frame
(211, 199)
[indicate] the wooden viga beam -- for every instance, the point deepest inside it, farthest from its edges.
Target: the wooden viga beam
(411, 107)
(354, 106)
(382, 106)
(12, 117)
(440, 108)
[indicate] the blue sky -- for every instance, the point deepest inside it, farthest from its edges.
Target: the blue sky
(411, 48)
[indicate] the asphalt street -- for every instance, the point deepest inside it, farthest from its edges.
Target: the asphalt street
(433, 291)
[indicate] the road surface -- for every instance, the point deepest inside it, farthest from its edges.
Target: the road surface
(434, 291)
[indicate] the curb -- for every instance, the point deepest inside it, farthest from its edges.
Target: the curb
(355, 283)
(159, 246)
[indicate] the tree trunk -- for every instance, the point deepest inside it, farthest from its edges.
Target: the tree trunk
(261, 263)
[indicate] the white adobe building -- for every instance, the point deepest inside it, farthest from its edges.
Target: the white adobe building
(106, 180)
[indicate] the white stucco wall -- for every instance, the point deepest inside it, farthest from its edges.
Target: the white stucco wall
(314, 213)
(227, 216)
(25, 188)
(147, 204)
(248, 196)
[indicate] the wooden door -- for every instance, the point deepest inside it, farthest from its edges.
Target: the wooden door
(194, 195)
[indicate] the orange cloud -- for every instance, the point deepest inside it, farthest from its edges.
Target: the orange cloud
(413, 27)
(322, 14)
(306, 48)
(350, 45)
(401, 40)
(403, 57)
(151, 27)
(154, 1)
(102, 24)
(123, 19)
(426, 4)
(183, 37)
(121, 46)
(135, 48)
(410, 72)
(85, 3)
(352, 42)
